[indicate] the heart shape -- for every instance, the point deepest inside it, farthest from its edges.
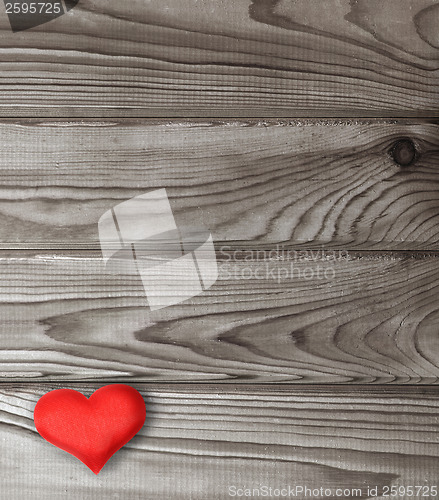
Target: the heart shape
(91, 429)
(25, 14)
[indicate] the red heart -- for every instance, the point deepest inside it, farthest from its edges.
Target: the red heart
(90, 429)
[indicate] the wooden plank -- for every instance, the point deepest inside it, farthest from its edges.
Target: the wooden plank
(198, 442)
(236, 58)
(253, 184)
(313, 319)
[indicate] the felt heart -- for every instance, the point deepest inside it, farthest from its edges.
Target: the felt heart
(91, 429)
(25, 14)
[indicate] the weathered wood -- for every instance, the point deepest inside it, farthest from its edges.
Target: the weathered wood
(368, 315)
(235, 58)
(198, 442)
(254, 184)
(367, 319)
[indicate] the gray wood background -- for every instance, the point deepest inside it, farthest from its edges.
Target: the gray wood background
(308, 125)
(199, 440)
(232, 57)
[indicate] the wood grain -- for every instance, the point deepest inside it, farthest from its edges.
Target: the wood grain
(198, 441)
(355, 203)
(316, 319)
(260, 58)
(252, 183)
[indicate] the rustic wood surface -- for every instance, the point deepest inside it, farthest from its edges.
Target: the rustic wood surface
(231, 58)
(361, 319)
(266, 379)
(199, 440)
(253, 184)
